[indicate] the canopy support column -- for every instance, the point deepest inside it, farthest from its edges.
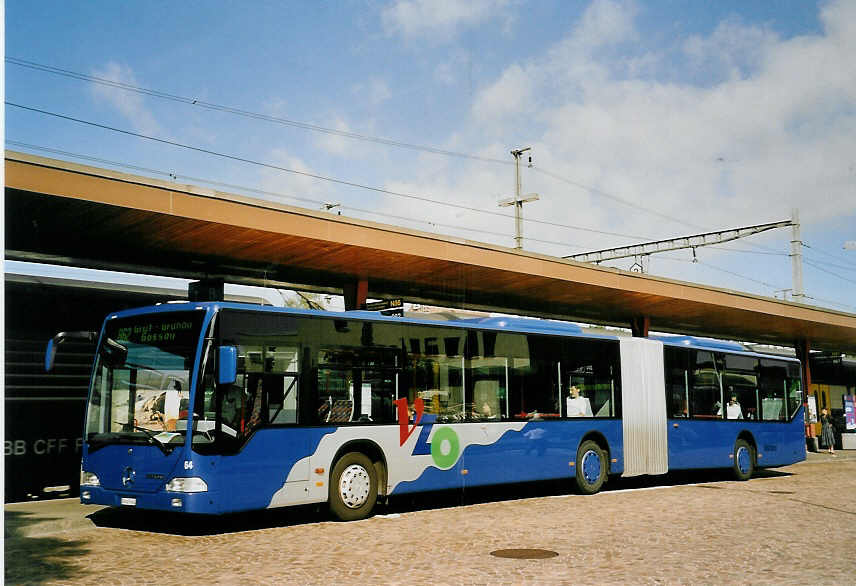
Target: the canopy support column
(803, 350)
(640, 325)
(355, 294)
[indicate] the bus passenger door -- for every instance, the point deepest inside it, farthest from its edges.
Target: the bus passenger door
(273, 452)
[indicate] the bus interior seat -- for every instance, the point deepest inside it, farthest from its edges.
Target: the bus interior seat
(341, 411)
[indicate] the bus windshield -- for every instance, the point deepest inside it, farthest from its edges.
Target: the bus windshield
(141, 388)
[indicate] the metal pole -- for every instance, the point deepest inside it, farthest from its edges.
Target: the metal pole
(796, 257)
(517, 200)
(518, 205)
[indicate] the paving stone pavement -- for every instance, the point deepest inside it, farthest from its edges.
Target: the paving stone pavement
(792, 525)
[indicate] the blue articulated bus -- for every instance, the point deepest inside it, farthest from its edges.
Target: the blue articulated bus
(216, 408)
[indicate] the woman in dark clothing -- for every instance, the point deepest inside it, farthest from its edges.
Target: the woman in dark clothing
(826, 435)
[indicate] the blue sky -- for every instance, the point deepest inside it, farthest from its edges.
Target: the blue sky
(711, 114)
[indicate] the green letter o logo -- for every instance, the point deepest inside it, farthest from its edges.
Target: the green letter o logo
(447, 460)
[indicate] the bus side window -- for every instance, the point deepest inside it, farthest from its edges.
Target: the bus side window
(772, 390)
(740, 381)
(794, 388)
(705, 389)
(677, 393)
(486, 384)
(588, 378)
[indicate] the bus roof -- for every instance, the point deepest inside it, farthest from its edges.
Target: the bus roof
(508, 324)
(497, 323)
(695, 343)
(701, 343)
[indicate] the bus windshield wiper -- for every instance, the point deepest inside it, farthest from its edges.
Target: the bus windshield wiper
(153, 439)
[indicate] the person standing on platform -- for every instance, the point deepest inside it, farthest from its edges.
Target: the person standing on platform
(826, 435)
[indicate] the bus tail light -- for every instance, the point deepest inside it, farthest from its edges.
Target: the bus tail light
(192, 484)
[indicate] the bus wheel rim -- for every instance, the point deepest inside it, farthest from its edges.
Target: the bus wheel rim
(743, 459)
(354, 486)
(591, 466)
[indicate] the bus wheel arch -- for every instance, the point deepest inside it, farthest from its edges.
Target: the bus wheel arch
(374, 453)
(592, 463)
(601, 441)
(357, 480)
(745, 456)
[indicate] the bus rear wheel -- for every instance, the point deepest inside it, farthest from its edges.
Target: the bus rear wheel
(591, 467)
(744, 460)
(353, 487)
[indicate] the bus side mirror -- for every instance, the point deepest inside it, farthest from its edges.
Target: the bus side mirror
(227, 365)
(50, 355)
(53, 343)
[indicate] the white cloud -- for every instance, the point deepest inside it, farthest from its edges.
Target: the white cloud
(605, 22)
(731, 52)
(127, 103)
(775, 129)
(440, 20)
(509, 95)
(566, 69)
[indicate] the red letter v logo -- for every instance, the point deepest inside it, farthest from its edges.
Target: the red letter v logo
(405, 430)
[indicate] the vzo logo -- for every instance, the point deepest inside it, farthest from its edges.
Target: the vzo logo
(445, 446)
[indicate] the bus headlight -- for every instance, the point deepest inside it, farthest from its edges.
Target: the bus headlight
(89, 479)
(193, 484)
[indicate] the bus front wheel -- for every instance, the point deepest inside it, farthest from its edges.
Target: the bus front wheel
(353, 487)
(744, 460)
(591, 467)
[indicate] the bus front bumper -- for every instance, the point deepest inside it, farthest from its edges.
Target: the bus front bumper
(200, 502)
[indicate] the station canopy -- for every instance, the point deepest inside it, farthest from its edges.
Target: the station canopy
(69, 214)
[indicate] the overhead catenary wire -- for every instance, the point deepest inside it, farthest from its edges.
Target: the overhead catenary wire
(247, 113)
(616, 198)
(313, 175)
(836, 257)
(831, 302)
(743, 251)
(326, 130)
(748, 278)
(833, 265)
(823, 270)
(716, 268)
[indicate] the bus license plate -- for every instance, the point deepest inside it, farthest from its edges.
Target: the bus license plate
(128, 501)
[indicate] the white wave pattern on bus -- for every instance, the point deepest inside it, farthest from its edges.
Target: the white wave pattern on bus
(408, 466)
